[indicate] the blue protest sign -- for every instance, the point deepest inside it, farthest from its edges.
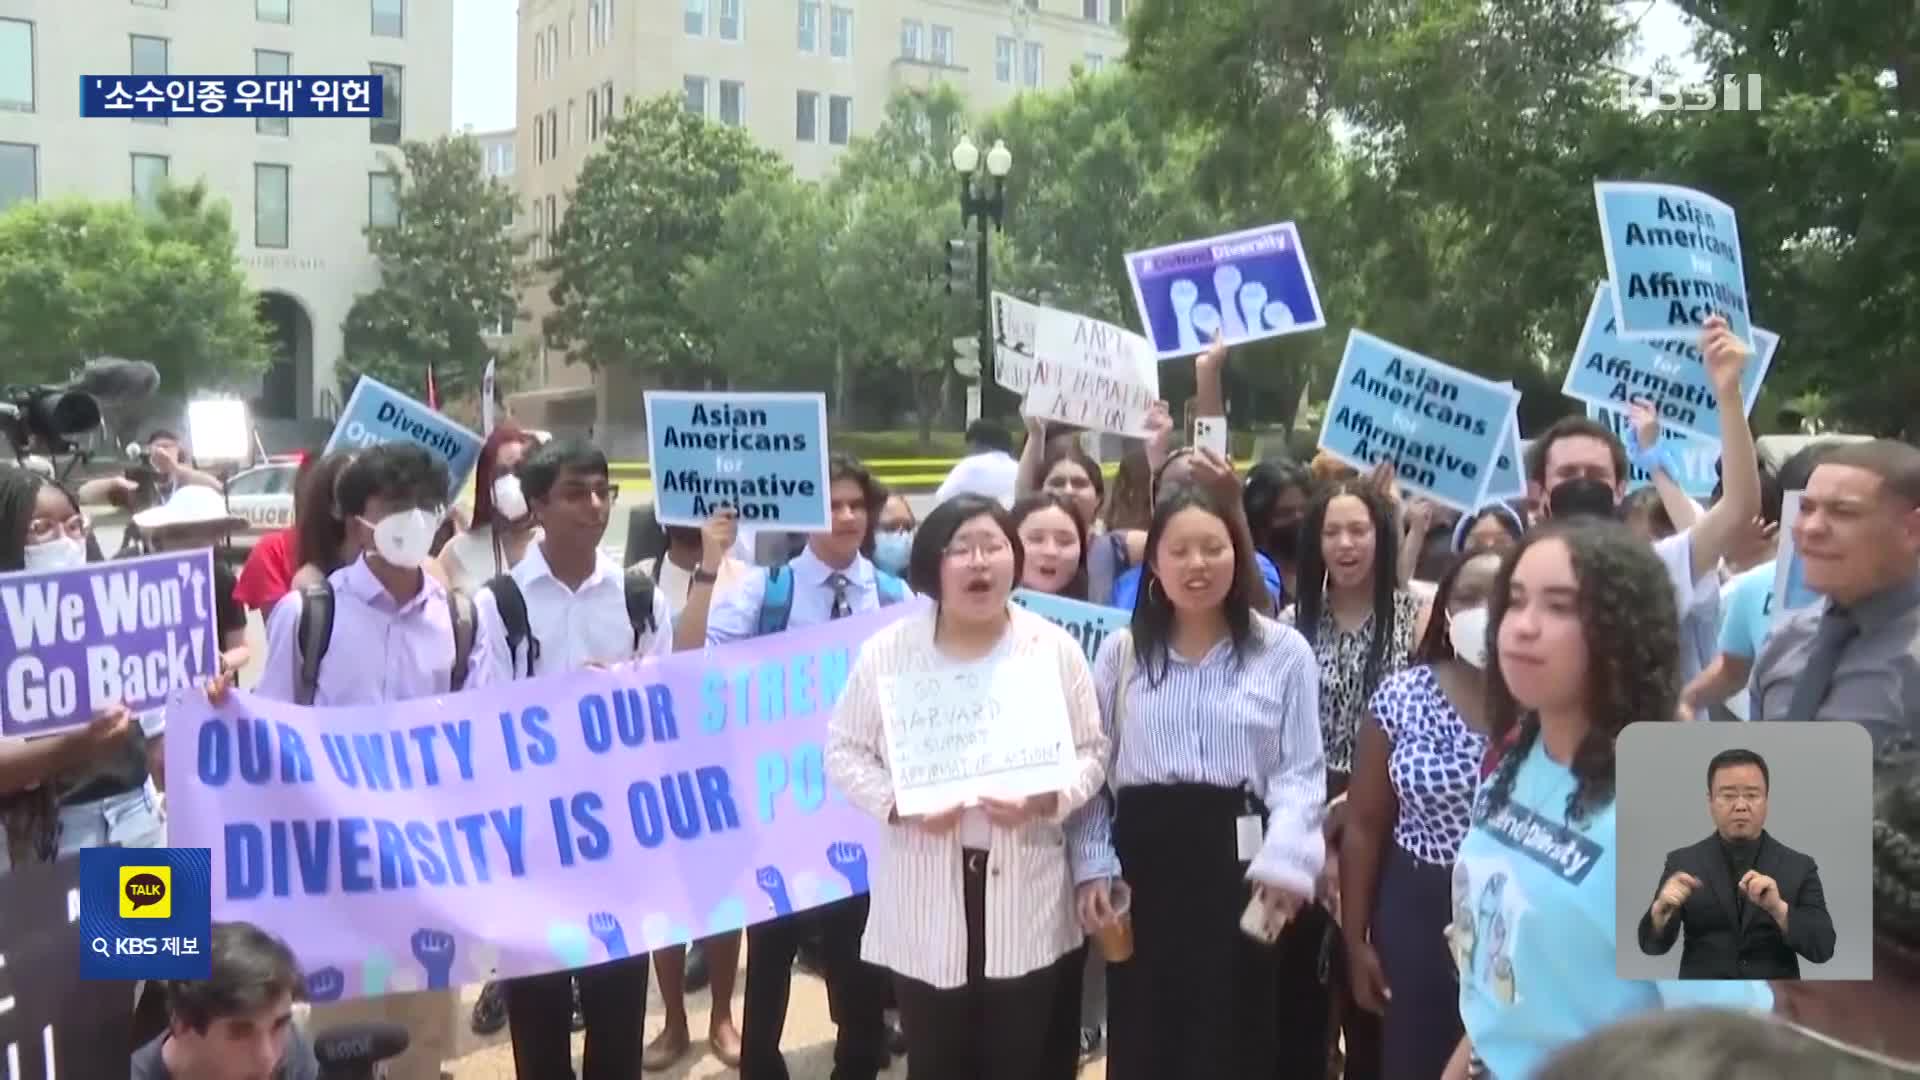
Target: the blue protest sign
(1440, 426)
(1509, 480)
(764, 454)
(1089, 624)
(1673, 256)
(1612, 371)
(377, 414)
(146, 913)
(1790, 592)
(1698, 459)
(130, 632)
(1248, 285)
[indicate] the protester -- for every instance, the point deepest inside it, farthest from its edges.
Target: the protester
(1188, 467)
(830, 579)
(1857, 656)
(237, 1023)
(1327, 469)
(1415, 767)
(325, 543)
(1578, 467)
(682, 574)
(90, 786)
(1129, 503)
(1199, 997)
(988, 469)
(1054, 546)
(1276, 500)
(893, 537)
(393, 633)
(566, 606)
(1585, 638)
(977, 993)
(1494, 527)
(502, 530)
(1699, 1044)
(268, 572)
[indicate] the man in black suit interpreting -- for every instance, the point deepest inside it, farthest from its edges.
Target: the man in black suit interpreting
(1751, 905)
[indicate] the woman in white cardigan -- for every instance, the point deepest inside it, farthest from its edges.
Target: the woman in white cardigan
(972, 905)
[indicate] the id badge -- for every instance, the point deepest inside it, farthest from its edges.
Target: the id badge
(1247, 837)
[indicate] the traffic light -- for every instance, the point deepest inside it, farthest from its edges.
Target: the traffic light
(958, 261)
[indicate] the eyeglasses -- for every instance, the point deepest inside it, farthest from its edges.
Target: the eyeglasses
(41, 530)
(988, 550)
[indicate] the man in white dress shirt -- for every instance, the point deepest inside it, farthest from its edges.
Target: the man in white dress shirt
(832, 579)
(564, 607)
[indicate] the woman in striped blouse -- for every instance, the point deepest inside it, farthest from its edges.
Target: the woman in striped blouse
(1218, 786)
(972, 905)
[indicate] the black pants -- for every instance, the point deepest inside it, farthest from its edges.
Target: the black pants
(856, 992)
(989, 1029)
(1069, 997)
(1199, 998)
(613, 1001)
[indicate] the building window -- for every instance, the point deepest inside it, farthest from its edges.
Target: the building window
(383, 200)
(809, 38)
(572, 121)
(573, 28)
(538, 247)
(1090, 10)
(606, 21)
(270, 206)
(1003, 59)
(839, 119)
(729, 20)
(275, 11)
(696, 90)
(553, 220)
(1035, 68)
(732, 108)
(840, 32)
(553, 49)
(19, 173)
(806, 116)
(695, 18)
(606, 107)
(539, 57)
(942, 42)
(539, 139)
(593, 116)
(386, 126)
(910, 39)
(268, 62)
(389, 18)
(1095, 62)
(16, 66)
(149, 175)
(149, 58)
(553, 134)
(1116, 11)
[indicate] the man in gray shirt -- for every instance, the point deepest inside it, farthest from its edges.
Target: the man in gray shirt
(236, 1024)
(1856, 657)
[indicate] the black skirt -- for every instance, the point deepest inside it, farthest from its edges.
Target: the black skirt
(1199, 998)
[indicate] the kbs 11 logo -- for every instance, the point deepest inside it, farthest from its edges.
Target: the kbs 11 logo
(1733, 93)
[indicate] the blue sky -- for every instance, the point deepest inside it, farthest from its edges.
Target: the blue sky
(484, 32)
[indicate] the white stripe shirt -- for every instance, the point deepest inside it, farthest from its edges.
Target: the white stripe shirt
(1255, 721)
(917, 925)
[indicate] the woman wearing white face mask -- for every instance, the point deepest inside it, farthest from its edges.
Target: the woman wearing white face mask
(1415, 768)
(502, 528)
(83, 788)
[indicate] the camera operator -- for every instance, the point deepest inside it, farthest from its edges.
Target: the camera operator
(236, 1024)
(167, 469)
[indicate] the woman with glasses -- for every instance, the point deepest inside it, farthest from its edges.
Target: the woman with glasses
(88, 787)
(972, 904)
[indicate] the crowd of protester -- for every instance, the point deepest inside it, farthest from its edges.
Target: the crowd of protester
(1274, 859)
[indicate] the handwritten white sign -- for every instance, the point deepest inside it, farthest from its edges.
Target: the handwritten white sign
(1013, 326)
(1091, 374)
(996, 729)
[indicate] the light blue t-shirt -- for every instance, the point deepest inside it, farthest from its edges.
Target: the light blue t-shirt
(1748, 612)
(1533, 929)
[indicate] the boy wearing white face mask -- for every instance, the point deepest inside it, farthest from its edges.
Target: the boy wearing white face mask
(382, 630)
(1415, 767)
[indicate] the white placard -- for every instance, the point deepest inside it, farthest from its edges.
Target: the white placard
(996, 729)
(1091, 374)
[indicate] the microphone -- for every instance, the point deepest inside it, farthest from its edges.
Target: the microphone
(112, 379)
(349, 1052)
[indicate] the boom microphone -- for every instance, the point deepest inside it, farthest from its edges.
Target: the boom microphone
(111, 379)
(350, 1051)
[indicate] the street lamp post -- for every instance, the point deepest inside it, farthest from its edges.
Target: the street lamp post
(985, 206)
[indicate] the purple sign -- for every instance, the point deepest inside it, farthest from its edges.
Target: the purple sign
(532, 826)
(1246, 285)
(75, 641)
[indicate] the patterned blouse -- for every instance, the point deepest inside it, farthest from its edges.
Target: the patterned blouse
(1434, 763)
(1343, 672)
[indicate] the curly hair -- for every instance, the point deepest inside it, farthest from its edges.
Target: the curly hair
(1896, 852)
(1631, 628)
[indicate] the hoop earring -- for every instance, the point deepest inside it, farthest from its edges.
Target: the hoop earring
(1152, 584)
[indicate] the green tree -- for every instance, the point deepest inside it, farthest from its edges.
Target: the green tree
(650, 199)
(447, 275)
(80, 279)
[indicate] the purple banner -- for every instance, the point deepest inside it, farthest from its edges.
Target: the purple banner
(75, 641)
(527, 827)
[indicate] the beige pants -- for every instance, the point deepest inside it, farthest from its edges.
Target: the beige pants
(429, 1017)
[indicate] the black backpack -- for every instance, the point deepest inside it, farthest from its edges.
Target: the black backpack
(316, 634)
(512, 605)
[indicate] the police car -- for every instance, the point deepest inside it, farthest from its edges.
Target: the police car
(264, 496)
